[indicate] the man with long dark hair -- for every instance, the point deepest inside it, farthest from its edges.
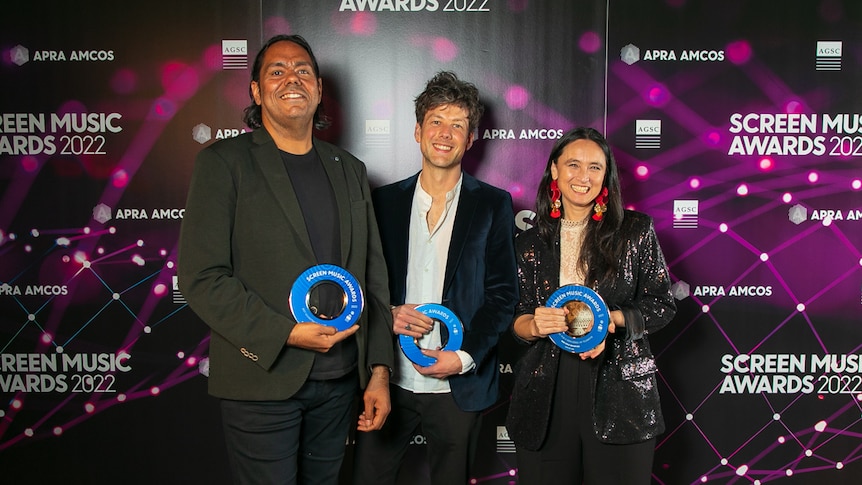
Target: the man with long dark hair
(262, 208)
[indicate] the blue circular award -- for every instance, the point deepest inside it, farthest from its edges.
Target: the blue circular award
(588, 318)
(444, 316)
(353, 302)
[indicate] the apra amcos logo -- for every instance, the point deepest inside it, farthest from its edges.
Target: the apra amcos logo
(632, 53)
(202, 133)
(19, 55)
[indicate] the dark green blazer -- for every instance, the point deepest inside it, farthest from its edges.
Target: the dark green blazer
(244, 242)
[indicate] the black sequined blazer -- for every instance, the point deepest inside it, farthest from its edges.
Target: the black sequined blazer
(626, 406)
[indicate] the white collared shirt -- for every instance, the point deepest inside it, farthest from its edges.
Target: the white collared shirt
(427, 255)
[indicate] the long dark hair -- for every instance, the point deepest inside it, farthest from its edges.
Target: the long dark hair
(251, 115)
(601, 249)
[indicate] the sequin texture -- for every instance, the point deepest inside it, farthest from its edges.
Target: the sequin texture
(626, 407)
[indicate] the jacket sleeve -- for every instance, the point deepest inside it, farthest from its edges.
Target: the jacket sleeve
(206, 272)
(500, 284)
(652, 306)
(380, 348)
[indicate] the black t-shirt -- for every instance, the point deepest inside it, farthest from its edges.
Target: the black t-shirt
(320, 212)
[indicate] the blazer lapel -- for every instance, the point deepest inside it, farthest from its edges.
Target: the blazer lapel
(266, 155)
(467, 203)
(399, 214)
(337, 174)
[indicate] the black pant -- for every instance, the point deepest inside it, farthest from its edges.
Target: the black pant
(450, 434)
(571, 453)
(298, 440)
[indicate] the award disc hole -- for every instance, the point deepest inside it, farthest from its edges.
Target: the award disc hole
(326, 300)
(579, 318)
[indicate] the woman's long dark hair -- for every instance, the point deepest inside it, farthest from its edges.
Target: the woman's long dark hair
(601, 249)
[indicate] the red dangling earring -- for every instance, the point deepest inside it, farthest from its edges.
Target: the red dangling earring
(555, 199)
(601, 205)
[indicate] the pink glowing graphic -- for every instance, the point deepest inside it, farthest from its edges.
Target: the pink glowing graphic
(742, 190)
(657, 95)
(160, 289)
(29, 163)
(163, 108)
(694, 183)
(813, 177)
(739, 52)
(517, 97)
(363, 23)
(642, 172)
(179, 80)
(712, 138)
(794, 107)
(444, 49)
(212, 58)
(120, 178)
(590, 42)
(124, 81)
(766, 164)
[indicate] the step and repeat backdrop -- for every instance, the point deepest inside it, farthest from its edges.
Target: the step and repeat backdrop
(737, 126)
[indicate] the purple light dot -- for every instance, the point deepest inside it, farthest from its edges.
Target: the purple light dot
(793, 107)
(160, 289)
(787, 198)
(856, 184)
(766, 164)
(657, 96)
(276, 25)
(742, 190)
(694, 183)
(813, 177)
(29, 163)
(517, 97)
(712, 137)
(120, 178)
(738, 52)
(642, 171)
(590, 42)
(179, 80)
(213, 58)
(163, 108)
(124, 81)
(363, 23)
(723, 227)
(444, 49)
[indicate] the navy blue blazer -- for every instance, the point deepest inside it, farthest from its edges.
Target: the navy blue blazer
(481, 282)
